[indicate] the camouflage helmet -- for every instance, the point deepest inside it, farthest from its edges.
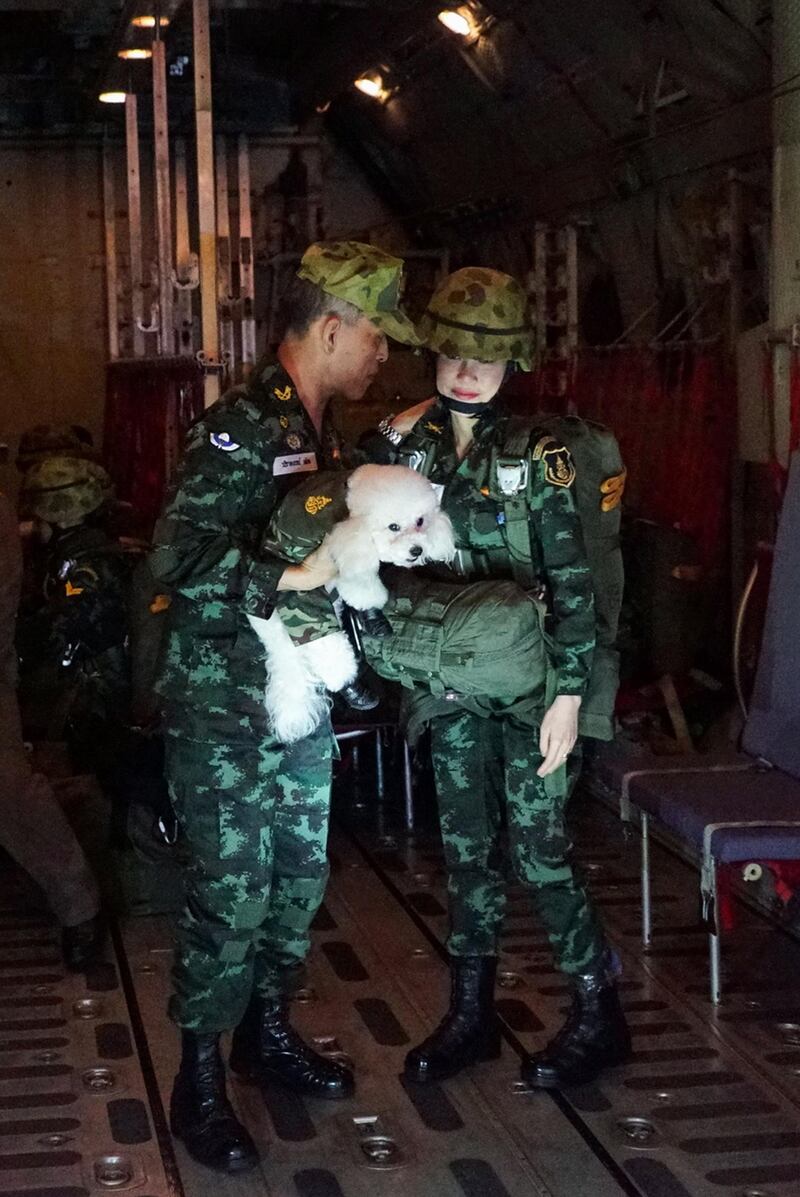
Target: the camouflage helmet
(480, 314)
(49, 440)
(63, 490)
(365, 276)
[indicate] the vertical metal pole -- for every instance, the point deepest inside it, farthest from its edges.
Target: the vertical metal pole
(735, 324)
(185, 260)
(110, 220)
(785, 264)
(380, 787)
(134, 223)
(205, 197)
(714, 951)
(408, 787)
(246, 275)
(163, 205)
(224, 295)
(647, 912)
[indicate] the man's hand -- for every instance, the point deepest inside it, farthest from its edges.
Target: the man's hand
(404, 421)
(558, 733)
(315, 570)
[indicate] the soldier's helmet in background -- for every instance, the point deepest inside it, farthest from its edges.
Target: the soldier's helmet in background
(52, 440)
(63, 490)
(367, 277)
(479, 314)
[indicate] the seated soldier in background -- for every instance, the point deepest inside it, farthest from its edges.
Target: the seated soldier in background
(33, 827)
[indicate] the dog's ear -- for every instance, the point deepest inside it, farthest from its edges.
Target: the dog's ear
(438, 542)
(351, 545)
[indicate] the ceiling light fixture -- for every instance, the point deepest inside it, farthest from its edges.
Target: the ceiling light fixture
(112, 97)
(149, 22)
(460, 21)
(371, 84)
(134, 53)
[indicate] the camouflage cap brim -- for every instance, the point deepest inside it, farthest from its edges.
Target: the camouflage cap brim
(396, 325)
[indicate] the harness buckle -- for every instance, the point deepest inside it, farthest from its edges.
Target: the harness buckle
(512, 475)
(415, 460)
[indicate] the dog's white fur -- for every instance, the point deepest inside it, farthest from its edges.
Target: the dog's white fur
(394, 517)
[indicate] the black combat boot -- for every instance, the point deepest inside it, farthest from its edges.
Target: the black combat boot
(374, 623)
(200, 1113)
(469, 1031)
(266, 1048)
(82, 944)
(358, 695)
(595, 1035)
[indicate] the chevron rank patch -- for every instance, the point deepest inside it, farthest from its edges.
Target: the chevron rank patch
(222, 440)
(559, 468)
(282, 393)
(612, 491)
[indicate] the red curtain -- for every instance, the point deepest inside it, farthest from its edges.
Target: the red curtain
(149, 405)
(673, 411)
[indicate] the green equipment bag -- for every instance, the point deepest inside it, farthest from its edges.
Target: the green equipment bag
(598, 491)
(482, 640)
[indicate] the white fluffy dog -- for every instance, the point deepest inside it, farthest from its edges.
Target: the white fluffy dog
(394, 517)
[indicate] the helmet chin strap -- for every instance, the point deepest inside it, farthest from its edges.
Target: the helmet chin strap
(473, 410)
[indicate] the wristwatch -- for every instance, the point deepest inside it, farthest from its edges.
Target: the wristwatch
(392, 435)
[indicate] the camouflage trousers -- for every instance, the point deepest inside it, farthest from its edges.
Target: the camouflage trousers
(485, 772)
(253, 818)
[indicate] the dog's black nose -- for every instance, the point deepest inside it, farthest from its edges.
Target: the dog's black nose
(415, 551)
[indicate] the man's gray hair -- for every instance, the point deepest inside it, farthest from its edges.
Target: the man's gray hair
(303, 302)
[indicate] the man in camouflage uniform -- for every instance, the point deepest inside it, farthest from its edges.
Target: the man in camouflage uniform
(34, 828)
(254, 812)
(488, 770)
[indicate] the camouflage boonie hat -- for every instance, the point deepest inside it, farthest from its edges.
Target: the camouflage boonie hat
(50, 440)
(367, 277)
(64, 490)
(479, 314)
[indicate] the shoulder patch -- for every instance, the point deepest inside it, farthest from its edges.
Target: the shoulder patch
(223, 441)
(559, 468)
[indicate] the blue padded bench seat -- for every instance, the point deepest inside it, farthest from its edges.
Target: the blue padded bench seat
(618, 768)
(704, 812)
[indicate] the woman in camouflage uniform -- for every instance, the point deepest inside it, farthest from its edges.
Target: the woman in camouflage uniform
(494, 770)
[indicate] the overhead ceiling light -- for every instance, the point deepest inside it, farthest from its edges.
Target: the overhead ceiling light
(459, 20)
(134, 53)
(112, 97)
(149, 22)
(371, 84)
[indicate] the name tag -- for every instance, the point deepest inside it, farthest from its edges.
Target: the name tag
(295, 463)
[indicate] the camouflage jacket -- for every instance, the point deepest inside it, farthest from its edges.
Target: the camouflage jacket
(75, 641)
(241, 457)
(559, 560)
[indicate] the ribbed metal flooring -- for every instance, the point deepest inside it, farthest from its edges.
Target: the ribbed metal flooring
(709, 1105)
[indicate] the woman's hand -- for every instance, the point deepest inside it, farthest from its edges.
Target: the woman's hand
(315, 570)
(404, 421)
(558, 733)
